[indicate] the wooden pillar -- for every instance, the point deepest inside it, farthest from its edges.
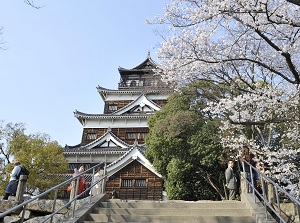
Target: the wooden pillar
(21, 188)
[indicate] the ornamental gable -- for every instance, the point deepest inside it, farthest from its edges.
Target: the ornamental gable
(108, 140)
(134, 154)
(142, 105)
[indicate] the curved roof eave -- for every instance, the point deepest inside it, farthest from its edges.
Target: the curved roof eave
(139, 67)
(106, 90)
(103, 90)
(93, 152)
(79, 115)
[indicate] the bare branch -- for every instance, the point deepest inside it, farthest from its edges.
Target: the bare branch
(2, 42)
(31, 3)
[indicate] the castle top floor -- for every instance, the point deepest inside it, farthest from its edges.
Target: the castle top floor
(141, 77)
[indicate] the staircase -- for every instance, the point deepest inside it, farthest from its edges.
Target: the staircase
(171, 212)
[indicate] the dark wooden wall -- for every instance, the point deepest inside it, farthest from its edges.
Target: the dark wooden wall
(120, 132)
(119, 104)
(135, 171)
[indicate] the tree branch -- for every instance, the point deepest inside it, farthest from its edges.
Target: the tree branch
(296, 2)
(31, 3)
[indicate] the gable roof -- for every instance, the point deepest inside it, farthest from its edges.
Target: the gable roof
(135, 153)
(147, 64)
(141, 105)
(108, 142)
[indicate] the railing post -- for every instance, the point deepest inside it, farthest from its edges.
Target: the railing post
(243, 182)
(21, 188)
(75, 189)
(263, 187)
(298, 211)
(270, 191)
(103, 185)
(72, 193)
(278, 201)
(54, 204)
(251, 187)
(23, 213)
(92, 188)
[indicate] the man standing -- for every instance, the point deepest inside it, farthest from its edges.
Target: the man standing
(231, 180)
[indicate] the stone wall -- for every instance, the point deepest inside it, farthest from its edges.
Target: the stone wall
(37, 210)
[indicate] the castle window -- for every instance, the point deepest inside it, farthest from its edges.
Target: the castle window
(133, 84)
(112, 107)
(140, 183)
(136, 135)
(133, 183)
(127, 183)
(91, 136)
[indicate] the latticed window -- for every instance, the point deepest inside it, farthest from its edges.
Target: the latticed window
(112, 107)
(136, 135)
(134, 183)
(140, 183)
(127, 183)
(91, 136)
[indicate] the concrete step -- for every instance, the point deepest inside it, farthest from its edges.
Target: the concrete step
(173, 219)
(174, 211)
(171, 212)
(174, 204)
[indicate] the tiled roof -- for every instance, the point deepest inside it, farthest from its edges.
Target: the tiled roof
(122, 146)
(102, 89)
(138, 91)
(148, 62)
(109, 150)
(79, 114)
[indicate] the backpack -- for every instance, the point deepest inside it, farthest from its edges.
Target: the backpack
(23, 171)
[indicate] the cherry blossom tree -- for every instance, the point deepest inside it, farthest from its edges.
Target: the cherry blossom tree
(269, 123)
(252, 47)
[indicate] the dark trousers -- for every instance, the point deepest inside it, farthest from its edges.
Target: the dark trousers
(232, 194)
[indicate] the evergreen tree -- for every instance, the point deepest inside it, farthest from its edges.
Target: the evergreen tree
(184, 146)
(37, 152)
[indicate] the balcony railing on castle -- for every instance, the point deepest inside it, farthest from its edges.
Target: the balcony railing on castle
(149, 86)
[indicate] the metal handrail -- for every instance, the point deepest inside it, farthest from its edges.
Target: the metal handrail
(264, 179)
(66, 182)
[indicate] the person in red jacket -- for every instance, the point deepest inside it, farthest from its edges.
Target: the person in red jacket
(82, 181)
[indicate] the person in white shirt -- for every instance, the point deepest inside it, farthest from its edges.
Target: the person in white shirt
(11, 189)
(97, 189)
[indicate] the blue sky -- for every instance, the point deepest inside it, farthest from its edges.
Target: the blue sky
(56, 56)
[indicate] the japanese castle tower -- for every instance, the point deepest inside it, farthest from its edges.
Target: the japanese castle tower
(108, 137)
